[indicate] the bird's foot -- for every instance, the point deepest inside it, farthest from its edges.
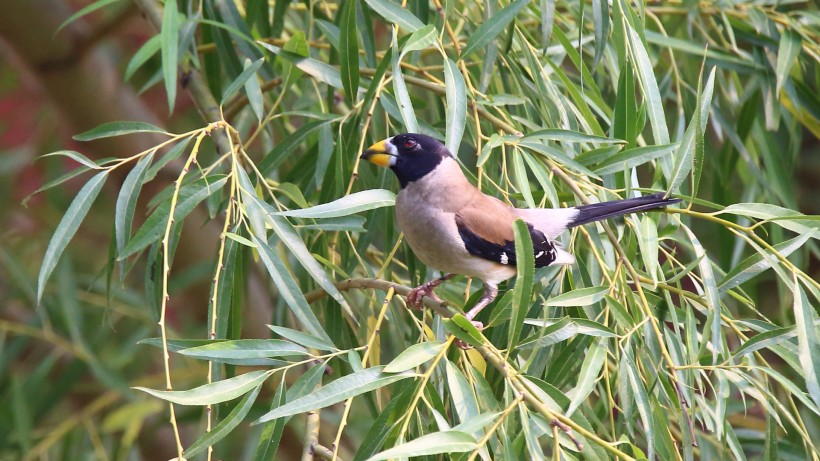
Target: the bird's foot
(463, 345)
(415, 298)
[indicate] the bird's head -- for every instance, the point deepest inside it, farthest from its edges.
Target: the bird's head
(410, 155)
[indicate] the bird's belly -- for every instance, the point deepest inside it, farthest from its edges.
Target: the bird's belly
(433, 236)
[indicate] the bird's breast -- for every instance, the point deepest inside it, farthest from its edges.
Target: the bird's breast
(433, 236)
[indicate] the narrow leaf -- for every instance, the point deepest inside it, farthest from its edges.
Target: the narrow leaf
(347, 205)
(111, 129)
(491, 27)
(246, 349)
(808, 343)
(337, 391)
(169, 38)
(414, 356)
(456, 93)
(127, 200)
(431, 444)
(787, 53)
(522, 293)
(239, 81)
(209, 394)
(396, 14)
(289, 290)
(234, 418)
(349, 50)
(302, 338)
(68, 226)
(579, 297)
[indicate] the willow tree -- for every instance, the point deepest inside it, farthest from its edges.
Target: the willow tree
(690, 333)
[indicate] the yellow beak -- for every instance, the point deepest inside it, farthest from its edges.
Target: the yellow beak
(377, 154)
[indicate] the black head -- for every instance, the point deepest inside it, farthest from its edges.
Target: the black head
(410, 155)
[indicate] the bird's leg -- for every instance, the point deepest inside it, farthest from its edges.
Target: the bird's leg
(416, 296)
(490, 292)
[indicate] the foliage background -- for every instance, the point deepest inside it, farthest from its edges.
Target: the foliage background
(67, 363)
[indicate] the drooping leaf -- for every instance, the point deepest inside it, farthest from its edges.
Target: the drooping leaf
(491, 27)
(229, 423)
(67, 227)
(217, 392)
(349, 50)
(111, 129)
(169, 45)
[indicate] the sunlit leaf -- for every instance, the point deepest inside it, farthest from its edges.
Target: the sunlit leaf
(337, 391)
(217, 392)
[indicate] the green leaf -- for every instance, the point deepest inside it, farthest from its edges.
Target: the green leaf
(302, 338)
(247, 74)
(757, 263)
(403, 100)
(396, 14)
(190, 195)
(169, 38)
(337, 391)
(765, 339)
(146, 52)
(431, 444)
(209, 394)
(349, 50)
(347, 205)
(590, 369)
(414, 356)
(68, 226)
(127, 200)
(649, 86)
(111, 129)
(234, 418)
(288, 235)
(808, 343)
(463, 329)
(289, 290)
(246, 349)
(271, 433)
(631, 158)
(83, 12)
(581, 297)
(491, 27)
(693, 137)
(787, 53)
(600, 19)
(77, 157)
(554, 134)
(641, 399)
(271, 161)
(317, 69)
(522, 293)
(799, 222)
(649, 245)
(419, 40)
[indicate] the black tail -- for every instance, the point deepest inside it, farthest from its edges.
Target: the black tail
(599, 211)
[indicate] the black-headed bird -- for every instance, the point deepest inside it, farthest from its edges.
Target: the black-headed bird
(454, 227)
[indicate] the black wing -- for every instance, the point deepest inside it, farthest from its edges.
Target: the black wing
(544, 250)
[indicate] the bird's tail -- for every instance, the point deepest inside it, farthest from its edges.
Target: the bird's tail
(598, 211)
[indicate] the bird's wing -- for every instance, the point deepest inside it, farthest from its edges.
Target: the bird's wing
(487, 232)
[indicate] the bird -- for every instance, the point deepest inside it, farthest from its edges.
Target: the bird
(455, 228)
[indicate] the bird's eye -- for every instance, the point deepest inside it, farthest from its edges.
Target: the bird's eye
(408, 144)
